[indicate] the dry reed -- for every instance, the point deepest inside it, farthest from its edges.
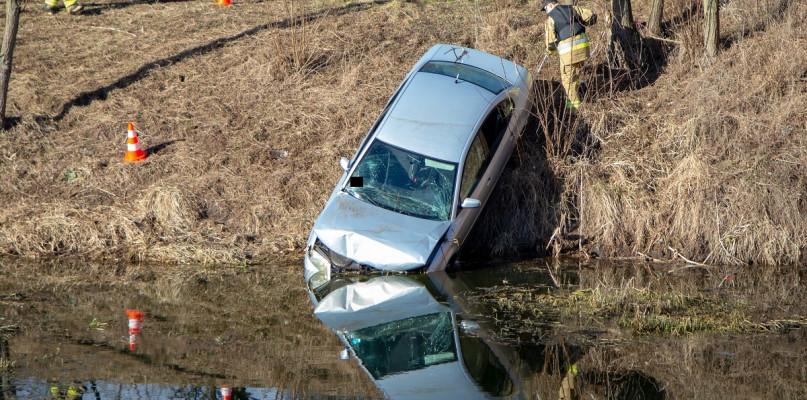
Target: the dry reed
(245, 111)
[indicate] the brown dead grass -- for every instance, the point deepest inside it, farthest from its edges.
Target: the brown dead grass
(245, 111)
(709, 160)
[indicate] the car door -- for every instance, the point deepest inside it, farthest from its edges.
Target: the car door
(478, 177)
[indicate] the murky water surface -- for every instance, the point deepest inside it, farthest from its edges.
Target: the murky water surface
(256, 333)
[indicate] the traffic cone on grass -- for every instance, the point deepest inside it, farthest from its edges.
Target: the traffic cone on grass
(133, 151)
(135, 322)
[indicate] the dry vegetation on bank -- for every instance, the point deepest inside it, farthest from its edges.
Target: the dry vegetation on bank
(711, 159)
(245, 111)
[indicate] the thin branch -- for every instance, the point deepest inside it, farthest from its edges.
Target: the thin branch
(686, 259)
(651, 258)
(113, 29)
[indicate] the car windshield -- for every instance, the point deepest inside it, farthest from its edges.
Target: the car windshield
(404, 182)
(467, 73)
(405, 345)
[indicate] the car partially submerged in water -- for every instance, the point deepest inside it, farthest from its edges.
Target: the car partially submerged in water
(414, 189)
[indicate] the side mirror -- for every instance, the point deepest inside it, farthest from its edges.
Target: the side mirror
(344, 163)
(471, 203)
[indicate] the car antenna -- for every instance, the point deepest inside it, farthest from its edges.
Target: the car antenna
(458, 58)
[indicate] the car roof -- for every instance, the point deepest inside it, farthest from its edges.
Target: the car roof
(435, 115)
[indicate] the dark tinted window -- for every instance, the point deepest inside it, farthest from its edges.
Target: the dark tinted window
(475, 163)
(467, 73)
(495, 125)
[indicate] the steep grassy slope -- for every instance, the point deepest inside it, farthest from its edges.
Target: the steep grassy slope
(245, 111)
(710, 159)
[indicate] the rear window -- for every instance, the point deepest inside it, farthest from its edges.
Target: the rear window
(467, 73)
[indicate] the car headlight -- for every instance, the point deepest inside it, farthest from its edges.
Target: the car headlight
(318, 266)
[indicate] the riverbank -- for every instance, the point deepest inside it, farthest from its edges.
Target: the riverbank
(244, 112)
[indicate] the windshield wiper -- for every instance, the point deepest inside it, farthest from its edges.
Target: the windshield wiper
(363, 198)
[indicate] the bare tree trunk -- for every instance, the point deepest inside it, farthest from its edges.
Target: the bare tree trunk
(656, 15)
(625, 48)
(7, 52)
(711, 26)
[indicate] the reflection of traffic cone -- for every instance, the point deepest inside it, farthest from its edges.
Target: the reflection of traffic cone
(223, 2)
(135, 322)
(226, 392)
(133, 151)
(132, 341)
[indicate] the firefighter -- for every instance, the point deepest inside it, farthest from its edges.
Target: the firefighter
(566, 35)
(72, 7)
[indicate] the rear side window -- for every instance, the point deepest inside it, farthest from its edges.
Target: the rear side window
(475, 163)
(467, 73)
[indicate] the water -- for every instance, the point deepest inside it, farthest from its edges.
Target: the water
(65, 334)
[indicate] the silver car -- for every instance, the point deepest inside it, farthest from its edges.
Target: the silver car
(413, 346)
(412, 192)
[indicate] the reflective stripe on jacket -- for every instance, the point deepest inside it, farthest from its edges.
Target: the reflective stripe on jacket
(572, 49)
(574, 44)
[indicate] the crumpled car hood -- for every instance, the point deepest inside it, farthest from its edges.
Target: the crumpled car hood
(378, 301)
(377, 237)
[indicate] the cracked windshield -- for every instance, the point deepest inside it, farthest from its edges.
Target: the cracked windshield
(405, 182)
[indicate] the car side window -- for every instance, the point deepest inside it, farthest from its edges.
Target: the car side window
(496, 123)
(485, 143)
(475, 163)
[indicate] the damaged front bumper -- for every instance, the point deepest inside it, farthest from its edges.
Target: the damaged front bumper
(321, 263)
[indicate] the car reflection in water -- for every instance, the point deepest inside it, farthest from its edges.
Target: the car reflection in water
(410, 344)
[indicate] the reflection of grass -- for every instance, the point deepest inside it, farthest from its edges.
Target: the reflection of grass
(6, 366)
(647, 311)
(95, 324)
(639, 299)
(250, 325)
(640, 311)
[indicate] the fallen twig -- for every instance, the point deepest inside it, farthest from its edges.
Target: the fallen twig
(651, 258)
(666, 40)
(113, 29)
(686, 259)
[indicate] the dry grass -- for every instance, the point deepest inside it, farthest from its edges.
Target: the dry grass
(710, 158)
(245, 110)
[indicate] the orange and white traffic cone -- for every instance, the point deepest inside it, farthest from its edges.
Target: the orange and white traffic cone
(133, 150)
(135, 322)
(226, 392)
(223, 2)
